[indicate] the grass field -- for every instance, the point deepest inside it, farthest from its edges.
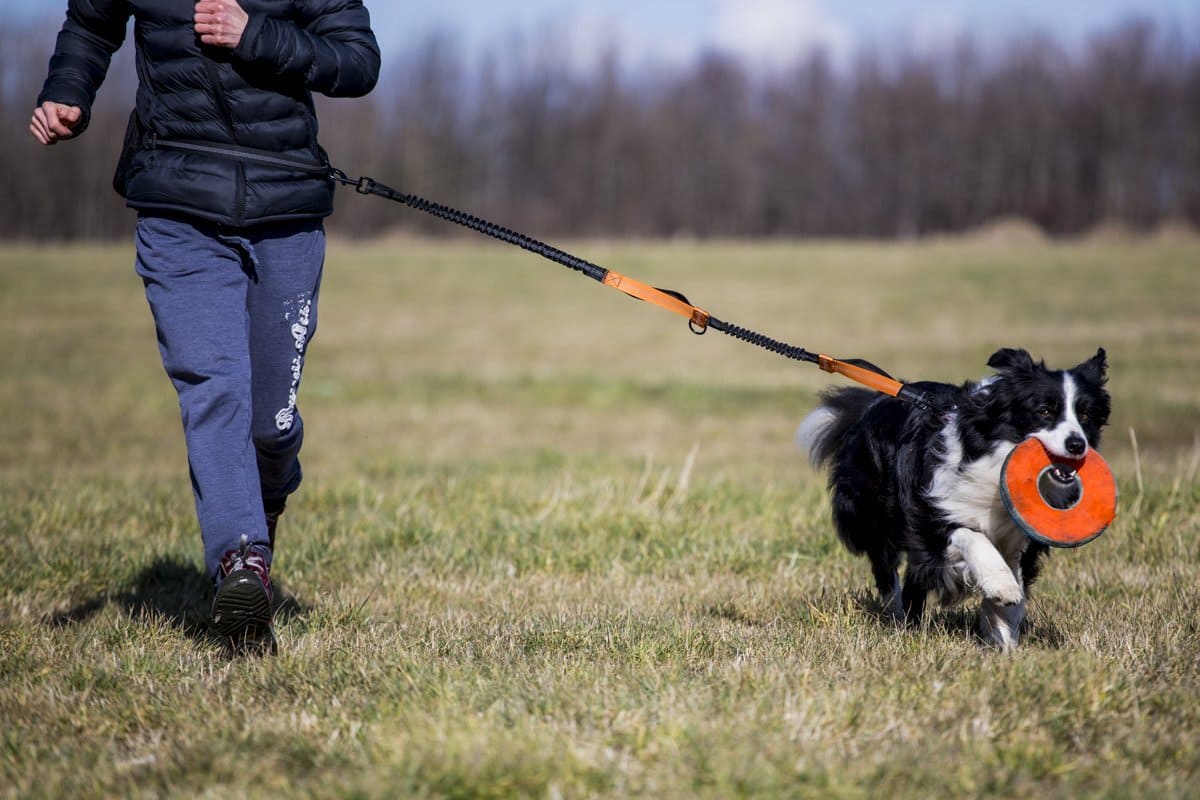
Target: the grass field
(550, 544)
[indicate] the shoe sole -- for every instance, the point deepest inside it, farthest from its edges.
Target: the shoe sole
(242, 610)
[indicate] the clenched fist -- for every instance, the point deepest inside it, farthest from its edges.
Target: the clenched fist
(220, 22)
(54, 121)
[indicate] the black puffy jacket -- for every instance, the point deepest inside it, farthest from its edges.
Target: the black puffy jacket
(257, 95)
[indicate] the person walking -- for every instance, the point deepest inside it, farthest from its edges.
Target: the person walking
(222, 163)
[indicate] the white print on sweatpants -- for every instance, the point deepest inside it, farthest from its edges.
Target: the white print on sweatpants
(287, 415)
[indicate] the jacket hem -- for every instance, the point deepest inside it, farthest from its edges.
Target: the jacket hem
(223, 219)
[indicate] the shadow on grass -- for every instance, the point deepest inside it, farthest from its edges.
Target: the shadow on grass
(174, 590)
(962, 622)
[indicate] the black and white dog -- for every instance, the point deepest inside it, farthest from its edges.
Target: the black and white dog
(925, 485)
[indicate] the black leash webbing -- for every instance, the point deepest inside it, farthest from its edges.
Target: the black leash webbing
(766, 342)
(366, 185)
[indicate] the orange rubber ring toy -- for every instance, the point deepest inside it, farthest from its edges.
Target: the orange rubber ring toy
(1091, 509)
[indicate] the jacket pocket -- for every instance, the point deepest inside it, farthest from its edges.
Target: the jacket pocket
(134, 138)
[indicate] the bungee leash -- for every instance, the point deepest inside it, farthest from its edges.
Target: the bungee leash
(699, 320)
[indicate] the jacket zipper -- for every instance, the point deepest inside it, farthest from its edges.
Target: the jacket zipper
(227, 115)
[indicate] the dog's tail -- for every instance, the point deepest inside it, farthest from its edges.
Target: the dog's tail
(825, 428)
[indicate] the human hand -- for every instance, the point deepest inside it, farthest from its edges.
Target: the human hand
(220, 22)
(54, 121)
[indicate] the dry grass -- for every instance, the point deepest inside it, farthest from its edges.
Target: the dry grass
(551, 544)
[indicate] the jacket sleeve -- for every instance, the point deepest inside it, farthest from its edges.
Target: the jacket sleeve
(329, 48)
(93, 31)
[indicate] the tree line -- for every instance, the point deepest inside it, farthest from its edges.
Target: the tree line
(894, 143)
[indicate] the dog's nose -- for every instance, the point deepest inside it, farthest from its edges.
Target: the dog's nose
(1076, 445)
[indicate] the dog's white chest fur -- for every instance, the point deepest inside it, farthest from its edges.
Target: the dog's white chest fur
(967, 494)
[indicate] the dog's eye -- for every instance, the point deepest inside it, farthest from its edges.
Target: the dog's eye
(1085, 417)
(1045, 413)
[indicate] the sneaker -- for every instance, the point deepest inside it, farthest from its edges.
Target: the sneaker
(241, 609)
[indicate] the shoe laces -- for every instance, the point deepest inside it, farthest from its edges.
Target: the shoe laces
(253, 557)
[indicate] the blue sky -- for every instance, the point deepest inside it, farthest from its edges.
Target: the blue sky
(765, 31)
(764, 27)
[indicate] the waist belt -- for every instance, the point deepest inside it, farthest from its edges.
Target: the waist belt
(236, 152)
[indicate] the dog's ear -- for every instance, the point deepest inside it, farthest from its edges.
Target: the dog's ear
(1095, 369)
(1008, 359)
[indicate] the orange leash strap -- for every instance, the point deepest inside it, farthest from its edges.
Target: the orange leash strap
(868, 378)
(697, 317)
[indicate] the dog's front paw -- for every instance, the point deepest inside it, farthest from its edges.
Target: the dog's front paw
(1000, 625)
(996, 631)
(1001, 587)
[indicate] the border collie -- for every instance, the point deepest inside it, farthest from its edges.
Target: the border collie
(925, 485)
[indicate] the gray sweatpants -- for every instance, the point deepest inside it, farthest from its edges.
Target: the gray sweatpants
(235, 310)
